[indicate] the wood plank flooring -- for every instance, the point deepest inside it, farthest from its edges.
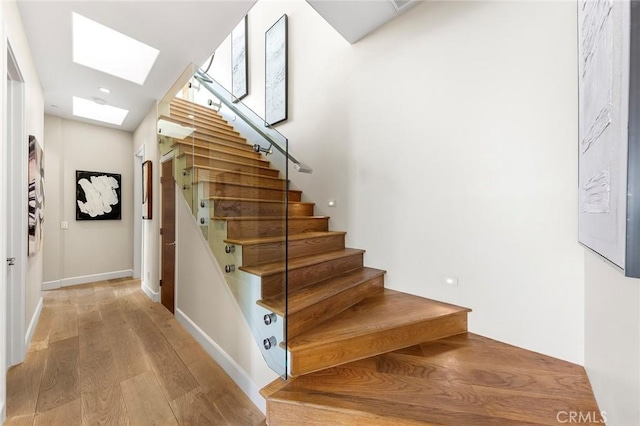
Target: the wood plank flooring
(104, 354)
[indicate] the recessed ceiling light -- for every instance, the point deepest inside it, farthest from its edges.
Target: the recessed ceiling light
(104, 90)
(99, 101)
(92, 110)
(104, 49)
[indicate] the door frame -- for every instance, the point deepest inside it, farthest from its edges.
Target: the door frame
(138, 233)
(16, 172)
(170, 156)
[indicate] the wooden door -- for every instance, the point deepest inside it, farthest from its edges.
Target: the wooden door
(167, 291)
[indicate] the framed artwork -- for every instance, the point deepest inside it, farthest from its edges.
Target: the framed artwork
(239, 61)
(609, 131)
(275, 50)
(98, 196)
(36, 195)
(147, 189)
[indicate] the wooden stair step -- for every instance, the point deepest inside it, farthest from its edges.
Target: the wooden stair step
(270, 226)
(239, 190)
(229, 206)
(240, 152)
(303, 271)
(196, 110)
(311, 305)
(383, 323)
(464, 379)
(273, 387)
(218, 163)
(188, 104)
(256, 251)
(222, 175)
(198, 123)
(182, 147)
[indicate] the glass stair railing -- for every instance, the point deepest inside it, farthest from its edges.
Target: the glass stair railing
(233, 171)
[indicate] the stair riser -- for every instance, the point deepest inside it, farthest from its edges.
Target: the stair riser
(203, 174)
(235, 191)
(272, 252)
(337, 353)
(226, 165)
(285, 413)
(251, 208)
(299, 321)
(212, 135)
(223, 155)
(274, 228)
(273, 285)
(198, 112)
(203, 124)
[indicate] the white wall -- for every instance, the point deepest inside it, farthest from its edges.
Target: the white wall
(13, 32)
(448, 138)
(145, 135)
(204, 299)
(88, 250)
(612, 334)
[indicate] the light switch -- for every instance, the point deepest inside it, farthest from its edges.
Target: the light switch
(64, 225)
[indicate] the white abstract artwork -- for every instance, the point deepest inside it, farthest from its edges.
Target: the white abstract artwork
(602, 128)
(239, 60)
(98, 196)
(276, 72)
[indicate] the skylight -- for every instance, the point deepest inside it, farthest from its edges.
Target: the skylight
(106, 113)
(104, 49)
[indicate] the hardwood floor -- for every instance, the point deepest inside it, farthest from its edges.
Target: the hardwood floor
(102, 353)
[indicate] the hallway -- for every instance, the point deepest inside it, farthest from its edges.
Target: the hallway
(103, 353)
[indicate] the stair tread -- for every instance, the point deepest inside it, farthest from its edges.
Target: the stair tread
(283, 218)
(299, 262)
(453, 380)
(303, 297)
(245, 185)
(389, 310)
(259, 200)
(292, 237)
(184, 120)
(179, 119)
(188, 144)
(192, 154)
(225, 171)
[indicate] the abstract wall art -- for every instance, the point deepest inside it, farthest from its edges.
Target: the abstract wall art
(98, 196)
(276, 72)
(36, 195)
(239, 60)
(609, 131)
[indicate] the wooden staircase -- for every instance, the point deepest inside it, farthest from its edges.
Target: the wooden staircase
(339, 312)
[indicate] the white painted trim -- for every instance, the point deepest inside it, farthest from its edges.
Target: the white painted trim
(153, 295)
(3, 415)
(33, 323)
(233, 369)
(66, 282)
(17, 177)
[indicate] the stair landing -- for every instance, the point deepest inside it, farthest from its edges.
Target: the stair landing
(460, 380)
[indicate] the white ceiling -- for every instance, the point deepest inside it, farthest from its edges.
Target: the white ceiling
(184, 32)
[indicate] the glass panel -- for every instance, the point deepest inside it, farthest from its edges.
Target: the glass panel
(239, 198)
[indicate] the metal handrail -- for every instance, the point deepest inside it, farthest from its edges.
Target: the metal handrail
(219, 92)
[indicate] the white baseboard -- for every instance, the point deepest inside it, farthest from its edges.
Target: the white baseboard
(84, 279)
(33, 323)
(229, 365)
(153, 295)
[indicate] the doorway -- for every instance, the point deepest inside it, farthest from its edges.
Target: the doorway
(16, 211)
(167, 279)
